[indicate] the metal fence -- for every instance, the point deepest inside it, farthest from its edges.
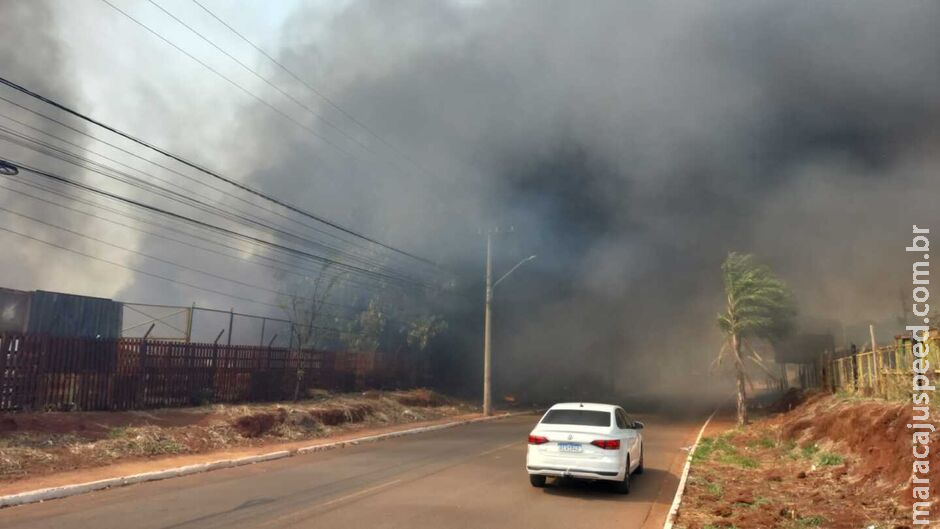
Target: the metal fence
(885, 372)
(39, 372)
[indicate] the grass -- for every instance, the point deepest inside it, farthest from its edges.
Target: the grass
(809, 451)
(703, 451)
(830, 459)
(755, 505)
(763, 442)
(715, 489)
(738, 460)
(117, 432)
(810, 521)
(723, 451)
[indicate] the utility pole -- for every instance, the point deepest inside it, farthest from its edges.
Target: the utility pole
(487, 320)
(876, 368)
(487, 332)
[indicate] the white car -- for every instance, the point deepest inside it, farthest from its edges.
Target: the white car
(586, 441)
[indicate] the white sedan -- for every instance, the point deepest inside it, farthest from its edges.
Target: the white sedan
(586, 441)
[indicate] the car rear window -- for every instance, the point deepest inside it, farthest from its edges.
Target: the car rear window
(577, 417)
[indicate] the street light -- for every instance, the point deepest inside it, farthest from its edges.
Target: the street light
(487, 334)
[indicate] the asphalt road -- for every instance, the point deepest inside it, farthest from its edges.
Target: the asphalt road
(468, 476)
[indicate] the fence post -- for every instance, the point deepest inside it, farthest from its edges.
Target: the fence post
(141, 400)
(215, 361)
(189, 324)
(231, 321)
(876, 375)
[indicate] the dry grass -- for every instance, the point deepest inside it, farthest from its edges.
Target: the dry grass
(52, 442)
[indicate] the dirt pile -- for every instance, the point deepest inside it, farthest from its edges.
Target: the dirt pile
(875, 432)
(267, 422)
(830, 462)
(41, 443)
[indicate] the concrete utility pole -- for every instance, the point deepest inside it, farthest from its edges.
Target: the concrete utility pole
(487, 321)
(487, 332)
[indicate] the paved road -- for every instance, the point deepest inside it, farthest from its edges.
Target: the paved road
(468, 476)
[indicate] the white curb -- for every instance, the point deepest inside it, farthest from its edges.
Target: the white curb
(81, 488)
(671, 518)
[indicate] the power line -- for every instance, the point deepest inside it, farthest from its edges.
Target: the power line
(368, 287)
(160, 259)
(136, 270)
(233, 215)
(207, 225)
(310, 87)
(291, 297)
(156, 164)
(208, 172)
(219, 74)
(263, 78)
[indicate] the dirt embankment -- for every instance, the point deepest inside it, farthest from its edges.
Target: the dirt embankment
(35, 444)
(829, 462)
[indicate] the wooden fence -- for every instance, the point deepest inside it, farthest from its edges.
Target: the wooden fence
(62, 373)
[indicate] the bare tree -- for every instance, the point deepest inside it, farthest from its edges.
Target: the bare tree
(309, 301)
(306, 306)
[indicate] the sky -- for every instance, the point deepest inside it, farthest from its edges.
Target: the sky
(630, 146)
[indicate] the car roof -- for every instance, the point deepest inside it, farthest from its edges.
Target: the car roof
(594, 406)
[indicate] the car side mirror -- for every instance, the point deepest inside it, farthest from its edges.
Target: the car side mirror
(637, 425)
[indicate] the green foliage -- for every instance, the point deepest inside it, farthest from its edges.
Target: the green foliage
(364, 333)
(116, 432)
(715, 489)
(703, 451)
(811, 521)
(830, 459)
(759, 304)
(738, 460)
(423, 329)
(809, 451)
(766, 442)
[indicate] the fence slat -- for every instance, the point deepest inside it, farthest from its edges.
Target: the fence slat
(64, 373)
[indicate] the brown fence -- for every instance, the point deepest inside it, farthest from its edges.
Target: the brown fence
(56, 373)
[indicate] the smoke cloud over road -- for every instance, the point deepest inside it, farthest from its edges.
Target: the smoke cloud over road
(629, 145)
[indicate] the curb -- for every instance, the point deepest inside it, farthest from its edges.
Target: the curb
(674, 510)
(65, 491)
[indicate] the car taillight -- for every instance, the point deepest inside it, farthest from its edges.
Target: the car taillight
(537, 440)
(607, 444)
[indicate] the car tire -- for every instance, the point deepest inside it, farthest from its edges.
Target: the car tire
(623, 487)
(537, 481)
(639, 468)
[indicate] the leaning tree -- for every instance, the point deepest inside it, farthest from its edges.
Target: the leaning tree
(758, 306)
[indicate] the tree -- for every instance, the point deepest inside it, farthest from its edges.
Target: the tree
(306, 306)
(758, 305)
(364, 333)
(423, 329)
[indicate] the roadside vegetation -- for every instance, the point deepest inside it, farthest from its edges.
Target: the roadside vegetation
(34, 444)
(831, 463)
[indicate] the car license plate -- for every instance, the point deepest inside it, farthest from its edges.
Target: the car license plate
(569, 447)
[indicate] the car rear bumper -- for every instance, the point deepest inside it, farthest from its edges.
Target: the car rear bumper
(609, 466)
(580, 473)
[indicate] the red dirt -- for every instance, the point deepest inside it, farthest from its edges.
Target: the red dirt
(94, 425)
(876, 431)
(774, 473)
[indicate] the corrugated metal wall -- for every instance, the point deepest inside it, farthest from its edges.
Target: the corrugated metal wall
(57, 314)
